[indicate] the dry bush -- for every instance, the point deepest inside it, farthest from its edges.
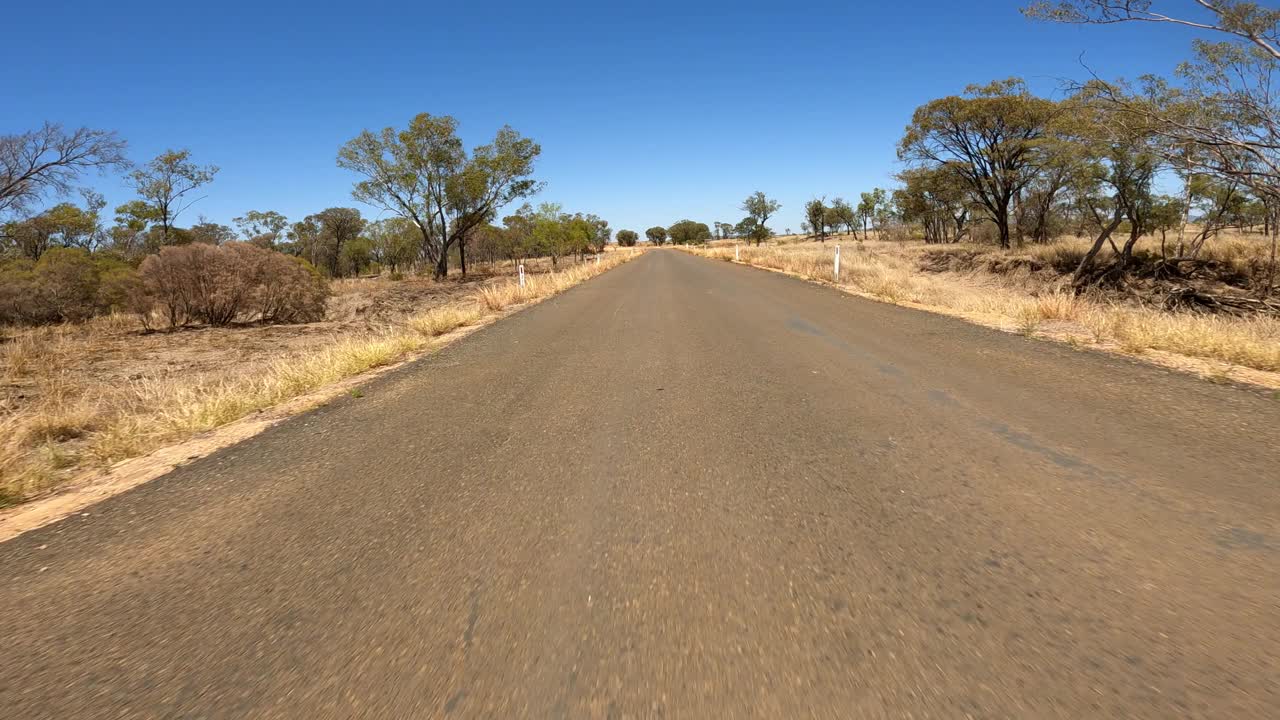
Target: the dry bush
(220, 284)
(286, 289)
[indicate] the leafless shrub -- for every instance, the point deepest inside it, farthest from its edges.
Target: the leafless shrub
(219, 285)
(287, 289)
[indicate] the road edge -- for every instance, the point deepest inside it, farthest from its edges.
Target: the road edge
(94, 486)
(1214, 371)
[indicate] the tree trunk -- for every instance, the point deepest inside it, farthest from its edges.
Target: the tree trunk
(1078, 280)
(442, 265)
(462, 256)
(1271, 270)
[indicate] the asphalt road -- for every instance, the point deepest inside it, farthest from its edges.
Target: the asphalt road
(688, 489)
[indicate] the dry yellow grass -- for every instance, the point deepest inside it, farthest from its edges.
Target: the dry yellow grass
(890, 272)
(74, 426)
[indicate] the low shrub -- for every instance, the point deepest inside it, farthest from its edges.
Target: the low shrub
(65, 284)
(218, 285)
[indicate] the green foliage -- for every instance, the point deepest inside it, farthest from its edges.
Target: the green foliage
(323, 238)
(844, 214)
(210, 233)
(163, 186)
(989, 136)
(656, 235)
(815, 214)
(424, 174)
(688, 232)
(64, 225)
(65, 284)
(395, 243)
(759, 208)
(627, 238)
(262, 228)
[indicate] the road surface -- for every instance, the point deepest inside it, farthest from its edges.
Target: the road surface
(688, 489)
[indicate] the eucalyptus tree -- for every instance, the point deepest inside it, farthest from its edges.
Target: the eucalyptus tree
(871, 206)
(657, 235)
(815, 214)
(759, 208)
(627, 238)
(1221, 118)
(164, 185)
(423, 173)
(322, 237)
(936, 199)
(519, 229)
(1113, 168)
(846, 215)
(63, 225)
(989, 136)
(263, 228)
(394, 242)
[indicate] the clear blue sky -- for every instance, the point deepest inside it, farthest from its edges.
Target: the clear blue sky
(646, 113)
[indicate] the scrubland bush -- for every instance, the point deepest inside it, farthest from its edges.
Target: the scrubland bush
(65, 284)
(218, 285)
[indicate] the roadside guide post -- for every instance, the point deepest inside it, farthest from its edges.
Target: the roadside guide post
(522, 275)
(837, 264)
(736, 256)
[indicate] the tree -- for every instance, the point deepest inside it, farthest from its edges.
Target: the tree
(163, 185)
(519, 229)
(322, 237)
(934, 197)
(1223, 119)
(627, 238)
(552, 233)
(600, 233)
(50, 160)
(1111, 179)
(746, 228)
(656, 235)
(422, 173)
(688, 232)
(760, 208)
(844, 214)
(63, 225)
(989, 136)
(394, 242)
(580, 233)
(211, 233)
(815, 215)
(1246, 21)
(870, 206)
(262, 228)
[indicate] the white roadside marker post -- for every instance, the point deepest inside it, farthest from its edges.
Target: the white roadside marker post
(597, 259)
(837, 264)
(521, 275)
(736, 256)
